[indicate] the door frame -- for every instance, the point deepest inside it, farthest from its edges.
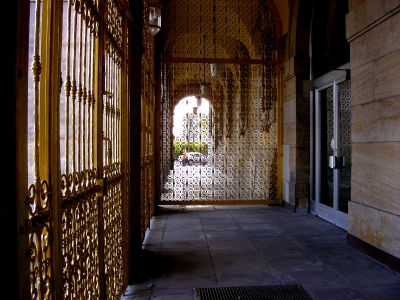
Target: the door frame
(331, 214)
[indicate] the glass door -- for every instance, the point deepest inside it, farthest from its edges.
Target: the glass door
(333, 151)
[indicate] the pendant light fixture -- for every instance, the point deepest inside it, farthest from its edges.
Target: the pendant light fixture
(204, 85)
(214, 67)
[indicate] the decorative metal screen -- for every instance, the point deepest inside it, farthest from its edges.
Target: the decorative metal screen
(147, 151)
(224, 52)
(147, 123)
(328, 199)
(112, 108)
(39, 201)
(78, 133)
(80, 208)
(345, 144)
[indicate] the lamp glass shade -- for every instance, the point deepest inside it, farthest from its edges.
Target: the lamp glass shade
(154, 19)
(214, 70)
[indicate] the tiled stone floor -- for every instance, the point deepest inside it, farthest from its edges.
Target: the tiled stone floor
(215, 246)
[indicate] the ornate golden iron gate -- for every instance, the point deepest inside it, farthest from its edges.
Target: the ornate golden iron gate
(225, 51)
(147, 151)
(151, 15)
(76, 136)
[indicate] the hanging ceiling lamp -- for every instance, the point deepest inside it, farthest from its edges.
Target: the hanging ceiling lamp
(214, 66)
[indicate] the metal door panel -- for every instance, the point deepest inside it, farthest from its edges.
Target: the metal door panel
(332, 119)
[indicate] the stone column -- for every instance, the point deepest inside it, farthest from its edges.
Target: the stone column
(296, 133)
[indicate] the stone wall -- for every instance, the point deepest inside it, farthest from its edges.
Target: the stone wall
(374, 36)
(296, 109)
(296, 133)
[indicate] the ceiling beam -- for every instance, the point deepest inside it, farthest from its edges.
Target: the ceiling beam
(218, 61)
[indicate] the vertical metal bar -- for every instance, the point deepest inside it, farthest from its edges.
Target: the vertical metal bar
(53, 69)
(67, 88)
(92, 98)
(36, 287)
(318, 158)
(124, 149)
(73, 99)
(89, 99)
(98, 140)
(336, 172)
(116, 96)
(312, 183)
(79, 90)
(36, 71)
(84, 89)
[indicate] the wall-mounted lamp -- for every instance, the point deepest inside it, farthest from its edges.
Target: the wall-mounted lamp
(154, 17)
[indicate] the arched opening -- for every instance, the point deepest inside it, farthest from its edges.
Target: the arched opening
(229, 54)
(192, 128)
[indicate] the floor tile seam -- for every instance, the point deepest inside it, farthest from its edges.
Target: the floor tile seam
(237, 223)
(382, 286)
(163, 234)
(328, 267)
(353, 287)
(245, 233)
(308, 250)
(303, 248)
(274, 272)
(209, 252)
(185, 275)
(185, 248)
(246, 273)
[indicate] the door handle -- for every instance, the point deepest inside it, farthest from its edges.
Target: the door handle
(337, 162)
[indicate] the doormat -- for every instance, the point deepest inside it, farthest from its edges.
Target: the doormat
(269, 292)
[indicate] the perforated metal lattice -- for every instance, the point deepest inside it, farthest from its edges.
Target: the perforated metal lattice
(345, 142)
(224, 52)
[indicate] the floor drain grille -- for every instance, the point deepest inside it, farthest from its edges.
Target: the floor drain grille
(269, 292)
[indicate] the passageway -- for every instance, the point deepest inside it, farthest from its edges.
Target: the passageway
(254, 245)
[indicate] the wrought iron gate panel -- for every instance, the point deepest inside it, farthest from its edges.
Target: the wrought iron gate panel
(147, 152)
(147, 117)
(113, 234)
(79, 203)
(147, 155)
(113, 95)
(38, 226)
(90, 241)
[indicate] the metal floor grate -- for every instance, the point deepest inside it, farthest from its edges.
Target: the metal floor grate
(269, 292)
